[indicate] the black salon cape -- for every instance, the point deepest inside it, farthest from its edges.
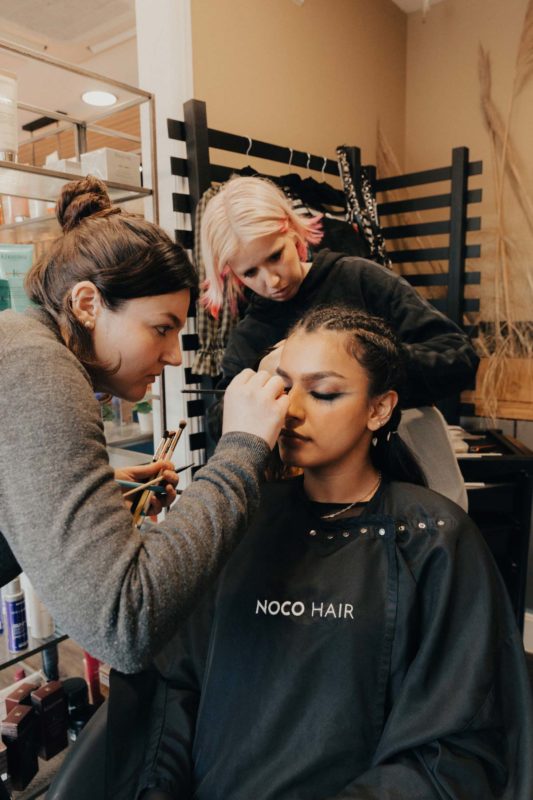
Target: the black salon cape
(373, 659)
(440, 359)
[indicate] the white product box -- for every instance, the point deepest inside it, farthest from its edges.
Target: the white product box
(112, 165)
(64, 165)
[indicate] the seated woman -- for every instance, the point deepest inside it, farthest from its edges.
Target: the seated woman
(254, 241)
(360, 642)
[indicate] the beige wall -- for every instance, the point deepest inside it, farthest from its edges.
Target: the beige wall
(443, 111)
(309, 77)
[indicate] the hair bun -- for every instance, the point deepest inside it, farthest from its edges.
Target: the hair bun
(81, 199)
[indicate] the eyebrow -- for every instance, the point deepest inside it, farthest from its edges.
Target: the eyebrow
(173, 318)
(309, 377)
(270, 254)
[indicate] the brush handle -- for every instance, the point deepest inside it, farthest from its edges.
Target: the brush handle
(203, 391)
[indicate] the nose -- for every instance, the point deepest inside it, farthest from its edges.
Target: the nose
(295, 408)
(271, 279)
(172, 356)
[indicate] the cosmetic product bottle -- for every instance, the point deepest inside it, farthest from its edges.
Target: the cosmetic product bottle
(79, 710)
(50, 705)
(19, 734)
(8, 118)
(91, 666)
(1, 598)
(17, 631)
(39, 621)
(50, 662)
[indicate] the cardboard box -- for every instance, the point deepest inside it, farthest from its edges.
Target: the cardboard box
(64, 165)
(112, 165)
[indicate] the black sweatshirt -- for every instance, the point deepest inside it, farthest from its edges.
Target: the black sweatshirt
(375, 658)
(440, 358)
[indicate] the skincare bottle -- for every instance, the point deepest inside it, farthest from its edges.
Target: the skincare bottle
(19, 734)
(17, 631)
(39, 621)
(50, 705)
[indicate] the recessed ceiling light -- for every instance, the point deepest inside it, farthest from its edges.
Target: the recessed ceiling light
(97, 98)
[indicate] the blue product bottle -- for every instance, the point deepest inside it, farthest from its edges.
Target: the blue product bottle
(17, 631)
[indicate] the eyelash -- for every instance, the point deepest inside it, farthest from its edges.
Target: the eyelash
(275, 256)
(327, 398)
(162, 329)
(272, 259)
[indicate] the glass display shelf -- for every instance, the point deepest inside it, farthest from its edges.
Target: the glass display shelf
(8, 659)
(39, 183)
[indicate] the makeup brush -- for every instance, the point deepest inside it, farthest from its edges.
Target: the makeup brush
(165, 449)
(203, 391)
(134, 487)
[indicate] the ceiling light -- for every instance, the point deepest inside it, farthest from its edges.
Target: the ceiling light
(98, 98)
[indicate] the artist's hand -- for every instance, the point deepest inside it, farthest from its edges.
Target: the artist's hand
(270, 362)
(255, 402)
(145, 472)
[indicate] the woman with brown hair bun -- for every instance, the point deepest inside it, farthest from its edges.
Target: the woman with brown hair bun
(111, 296)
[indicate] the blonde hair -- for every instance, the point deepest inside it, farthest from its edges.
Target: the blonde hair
(245, 209)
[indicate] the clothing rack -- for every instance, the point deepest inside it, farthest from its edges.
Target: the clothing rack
(201, 172)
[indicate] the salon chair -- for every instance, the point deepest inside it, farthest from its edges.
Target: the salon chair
(95, 754)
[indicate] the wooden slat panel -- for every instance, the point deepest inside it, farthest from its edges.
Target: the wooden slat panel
(181, 203)
(191, 377)
(425, 203)
(430, 254)
(176, 130)
(178, 166)
(435, 228)
(472, 331)
(189, 341)
(273, 152)
(197, 441)
(412, 256)
(195, 408)
(423, 177)
(470, 304)
(185, 238)
(220, 173)
(439, 278)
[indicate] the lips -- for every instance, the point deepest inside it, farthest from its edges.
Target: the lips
(286, 434)
(279, 293)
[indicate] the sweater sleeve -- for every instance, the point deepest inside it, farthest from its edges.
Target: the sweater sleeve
(440, 358)
(460, 725)
(119, 592)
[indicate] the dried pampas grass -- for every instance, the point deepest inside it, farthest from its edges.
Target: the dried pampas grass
(524, 59)
(508, 339)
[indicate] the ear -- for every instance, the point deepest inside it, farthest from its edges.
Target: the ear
(381, 408)
(86, 303)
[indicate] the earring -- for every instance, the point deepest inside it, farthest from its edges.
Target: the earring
(388, 436)
(374, 441)
(89, 324)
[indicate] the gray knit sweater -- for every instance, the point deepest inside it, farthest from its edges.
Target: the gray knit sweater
(118, 592)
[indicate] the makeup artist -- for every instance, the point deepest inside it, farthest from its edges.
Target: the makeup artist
(111, 295)
(252, 238)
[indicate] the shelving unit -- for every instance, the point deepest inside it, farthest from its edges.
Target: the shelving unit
(81, 130)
